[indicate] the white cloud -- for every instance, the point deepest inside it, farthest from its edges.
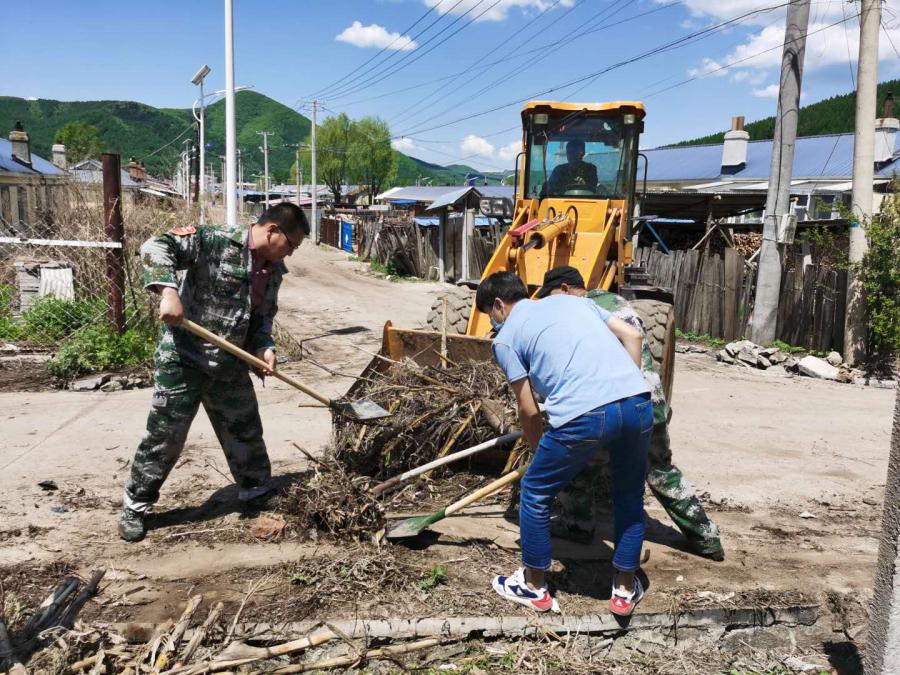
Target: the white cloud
(510, 150)
(827, 45)
(375, 36)
(404, 144)
(498, 12)
(476, 145)
(32, 98)
(707, 67)
(769, 92)
(747, 76)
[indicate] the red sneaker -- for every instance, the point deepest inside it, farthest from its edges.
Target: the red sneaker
(622, 603)
(514, 588)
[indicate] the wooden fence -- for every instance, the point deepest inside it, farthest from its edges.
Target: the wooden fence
(714, 296)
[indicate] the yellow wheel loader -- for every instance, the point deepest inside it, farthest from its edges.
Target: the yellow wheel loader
(573, 205)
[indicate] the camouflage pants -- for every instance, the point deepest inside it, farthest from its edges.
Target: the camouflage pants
(230, 404)
(575, 514)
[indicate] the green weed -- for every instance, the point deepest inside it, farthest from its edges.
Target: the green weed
(433, 579)
(98, 348)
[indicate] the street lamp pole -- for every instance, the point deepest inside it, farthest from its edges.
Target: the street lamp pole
(198, 80)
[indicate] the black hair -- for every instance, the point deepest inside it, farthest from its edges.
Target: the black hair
(504, 285)
(288, 217)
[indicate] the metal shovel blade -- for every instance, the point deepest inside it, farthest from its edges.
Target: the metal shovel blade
(412, 527)
(361, 410)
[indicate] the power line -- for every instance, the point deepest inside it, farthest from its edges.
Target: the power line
(544, 55)
(516, 55)
(639, 57)
(380, 51)
(475, 63)
(376, 66)
(746, 58)
(890, 39)
(418, 55)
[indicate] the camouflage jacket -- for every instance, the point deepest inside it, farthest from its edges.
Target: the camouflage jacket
(620, 308)
(215, 292)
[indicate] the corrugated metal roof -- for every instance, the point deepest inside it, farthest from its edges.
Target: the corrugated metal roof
(39, 165)
(427, 194)
(451, 198)
(814, 157)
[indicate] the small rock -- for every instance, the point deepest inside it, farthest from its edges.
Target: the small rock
(8, 347)
(267, 528)
(762, 361)
(806, 515)
(870, 502)
(134, 382)
(724, 356)
(777, 357)
(844, 376)
(112, 385)
(59, 509)
(694, 349)
(812, 366)
(834, 359)
(747, 355)
(679, 578)
(89, 383)
(797, 665)
(733, 348)
(769, 351)
(48, 485)
(777, 371)
(791, 364)
(681, 349)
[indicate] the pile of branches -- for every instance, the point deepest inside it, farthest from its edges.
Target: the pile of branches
(189, 646)
(330, 500)
(434, 411)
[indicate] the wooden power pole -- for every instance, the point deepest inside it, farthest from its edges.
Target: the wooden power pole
(863, 174)
(778, 199)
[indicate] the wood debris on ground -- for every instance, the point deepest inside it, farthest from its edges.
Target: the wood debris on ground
(433, 412)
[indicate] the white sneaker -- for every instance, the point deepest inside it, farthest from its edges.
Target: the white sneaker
(514, 588)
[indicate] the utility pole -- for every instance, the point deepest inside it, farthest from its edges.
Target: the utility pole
(863, 175)
(265, 148)
(198, 80)
(299, 176)
(241, 181)
(115, 257)
(315, 178)
(778, 199)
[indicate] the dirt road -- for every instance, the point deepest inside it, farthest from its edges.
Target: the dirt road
(764, 450)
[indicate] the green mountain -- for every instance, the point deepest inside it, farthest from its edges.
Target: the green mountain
(142, 131)
(154, 135)
(835, 115)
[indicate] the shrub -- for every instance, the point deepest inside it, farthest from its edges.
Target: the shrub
(879, 273)
(51, 319)
(98, 348)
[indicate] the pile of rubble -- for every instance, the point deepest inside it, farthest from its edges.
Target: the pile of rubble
(108, 382)
(771, 359)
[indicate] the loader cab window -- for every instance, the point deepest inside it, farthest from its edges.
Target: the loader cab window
(583, 157)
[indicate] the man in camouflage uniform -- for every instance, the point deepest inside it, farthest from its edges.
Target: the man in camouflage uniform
(229, 285)
(575, 516)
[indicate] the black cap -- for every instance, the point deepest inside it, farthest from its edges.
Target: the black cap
(555, 278)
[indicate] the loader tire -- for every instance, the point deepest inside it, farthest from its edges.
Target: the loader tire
(459, 306)
(659, 325)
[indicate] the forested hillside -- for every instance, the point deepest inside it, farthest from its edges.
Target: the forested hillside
(835, 115)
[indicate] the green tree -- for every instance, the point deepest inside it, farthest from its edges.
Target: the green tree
(81, 140)
(333, 145)
(374, 162)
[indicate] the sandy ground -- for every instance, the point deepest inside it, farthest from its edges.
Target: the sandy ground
(763, 451)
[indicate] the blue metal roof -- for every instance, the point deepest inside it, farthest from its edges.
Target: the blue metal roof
(39, 165)
(814, 157)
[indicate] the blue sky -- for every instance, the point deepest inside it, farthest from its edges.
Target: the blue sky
(294, 49)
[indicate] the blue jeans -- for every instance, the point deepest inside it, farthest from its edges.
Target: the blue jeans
(624, 428)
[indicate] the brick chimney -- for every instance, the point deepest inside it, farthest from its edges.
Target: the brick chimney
(59, 156)
(21, 145)
(734, 149)
(886, 132)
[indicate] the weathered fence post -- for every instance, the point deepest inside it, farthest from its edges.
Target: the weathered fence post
(115, 257)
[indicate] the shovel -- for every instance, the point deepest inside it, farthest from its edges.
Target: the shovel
(440, 461)
(413, 526)
(361, 410)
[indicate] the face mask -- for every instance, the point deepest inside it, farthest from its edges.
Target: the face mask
(496, 325)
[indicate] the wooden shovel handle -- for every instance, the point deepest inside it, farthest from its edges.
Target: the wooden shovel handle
(487, 490)
(212, 338)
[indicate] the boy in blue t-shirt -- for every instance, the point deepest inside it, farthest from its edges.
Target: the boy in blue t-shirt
(583, 362)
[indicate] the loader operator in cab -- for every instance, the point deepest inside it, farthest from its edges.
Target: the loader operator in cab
(575, 176)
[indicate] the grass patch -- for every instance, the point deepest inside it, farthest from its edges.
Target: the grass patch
(715, 343)
(435, 577)
(98, 348)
